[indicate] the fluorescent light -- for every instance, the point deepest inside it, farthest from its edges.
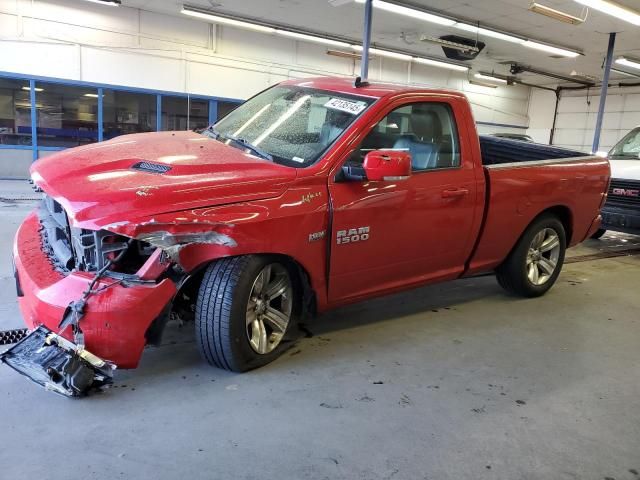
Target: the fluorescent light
(35, 88)
(110, 3)
(91, 95)
(384, 53)
(613, 9)
(436, 63)
(482, 76)
(628, 74)
(628, 63)
(411, 12)
(488, 33)
(548, 48)
(312, 38)
(481, 84)
(226, 21)
(555, 14)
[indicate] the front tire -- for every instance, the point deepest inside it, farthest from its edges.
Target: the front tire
(533, 266)
(246, 308)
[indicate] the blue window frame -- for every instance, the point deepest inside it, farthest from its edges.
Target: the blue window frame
(58, 114)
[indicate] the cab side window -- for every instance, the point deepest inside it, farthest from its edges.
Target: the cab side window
(426, 130)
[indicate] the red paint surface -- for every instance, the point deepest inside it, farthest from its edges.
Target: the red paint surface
(424, 229)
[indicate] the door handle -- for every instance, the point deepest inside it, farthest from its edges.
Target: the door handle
(455, 192)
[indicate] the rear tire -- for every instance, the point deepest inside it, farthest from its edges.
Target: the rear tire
(237, 327)
(599, 233)
(534, 264)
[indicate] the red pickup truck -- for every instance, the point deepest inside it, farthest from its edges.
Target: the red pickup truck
(310, 195)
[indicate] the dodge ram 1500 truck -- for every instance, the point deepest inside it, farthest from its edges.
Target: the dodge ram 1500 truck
(312, 194)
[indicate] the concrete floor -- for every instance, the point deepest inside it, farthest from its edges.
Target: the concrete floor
(451, 381)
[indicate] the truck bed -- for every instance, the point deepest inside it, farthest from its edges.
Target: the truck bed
(497, 151)
(522, 180)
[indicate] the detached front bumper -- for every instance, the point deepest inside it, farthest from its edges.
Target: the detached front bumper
(115, 320)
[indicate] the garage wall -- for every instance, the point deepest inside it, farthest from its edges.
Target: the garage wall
(130, 47)
(576, 120)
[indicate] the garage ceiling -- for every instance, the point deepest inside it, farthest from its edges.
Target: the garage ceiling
(344, 18)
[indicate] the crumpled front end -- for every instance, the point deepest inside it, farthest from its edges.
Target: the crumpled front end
(56, 265)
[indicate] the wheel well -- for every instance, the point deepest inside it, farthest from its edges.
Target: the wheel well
(309, 303)
(565, 216)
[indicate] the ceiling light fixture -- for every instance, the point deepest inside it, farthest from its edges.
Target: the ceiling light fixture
(109, 3)
(489, 33)
(563, 52)
(312, 38)
(437, 63)
(484, 76)
(411, 12)
(482, 84)
(628, 62)
(384, 53)
(91, 95)
(555, 14)
(613, 9)
(628, 74)
(36, 89)
(195, 12)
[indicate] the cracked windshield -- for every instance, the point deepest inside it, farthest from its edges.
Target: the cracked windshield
(289, 125)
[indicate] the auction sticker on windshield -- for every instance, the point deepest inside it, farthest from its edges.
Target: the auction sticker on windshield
(348, 106)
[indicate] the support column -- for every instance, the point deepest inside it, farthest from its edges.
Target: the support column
(603, 92)
(366, 40)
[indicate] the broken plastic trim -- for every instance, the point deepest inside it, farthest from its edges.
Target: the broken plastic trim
(163, 239)
(57, 364)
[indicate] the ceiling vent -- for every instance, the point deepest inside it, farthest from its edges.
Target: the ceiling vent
(456, 47)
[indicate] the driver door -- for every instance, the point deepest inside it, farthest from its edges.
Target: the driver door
(387, 235)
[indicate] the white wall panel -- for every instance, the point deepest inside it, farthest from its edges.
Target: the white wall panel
(8, 25)
(143, 71)
(52, 60)
(181, 30)
(123, 20)
(577, 112)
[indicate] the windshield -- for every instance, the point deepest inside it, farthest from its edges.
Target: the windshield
(628, 147)
(289, 125)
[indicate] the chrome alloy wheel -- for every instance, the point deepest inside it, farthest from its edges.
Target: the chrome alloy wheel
(269, 308)
(542, 257)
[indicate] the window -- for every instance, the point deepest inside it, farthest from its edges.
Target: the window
(67, 116)
(198, 114)
(628, 147)
(174, 113)
(15, 112)
(426, 130)
(127, 112)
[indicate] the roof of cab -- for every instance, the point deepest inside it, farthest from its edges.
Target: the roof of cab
(372, 89)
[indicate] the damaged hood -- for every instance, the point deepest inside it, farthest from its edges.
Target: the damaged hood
(147, 174)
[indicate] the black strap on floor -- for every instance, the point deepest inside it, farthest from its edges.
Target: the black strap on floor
(8, 337)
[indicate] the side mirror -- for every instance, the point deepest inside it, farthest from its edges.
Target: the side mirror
(387, 165)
